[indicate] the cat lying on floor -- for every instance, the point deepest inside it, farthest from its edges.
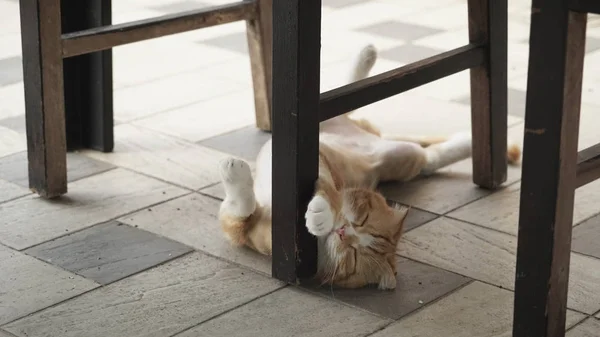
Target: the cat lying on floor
(356, 229)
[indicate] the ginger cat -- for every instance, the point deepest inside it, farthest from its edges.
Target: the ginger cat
(356, 229)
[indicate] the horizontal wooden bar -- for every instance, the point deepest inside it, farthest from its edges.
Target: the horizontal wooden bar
(106, 37)
(588, 165)
(370, 90)
(585, 6)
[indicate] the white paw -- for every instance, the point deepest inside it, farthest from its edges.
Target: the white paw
(319, 217)
(235, 171)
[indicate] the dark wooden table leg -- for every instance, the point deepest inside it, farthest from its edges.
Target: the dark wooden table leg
(296, 70)
(44, 103)
(488, 26)
(88, 80)
(260, 46)
(557, 47)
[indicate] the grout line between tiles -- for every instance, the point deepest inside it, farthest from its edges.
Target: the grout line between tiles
(228, 311)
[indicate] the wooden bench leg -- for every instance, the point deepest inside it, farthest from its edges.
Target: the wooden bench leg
(557, 47)
(296, 70)
(88, 80)
(260, 37)
(488, 26)
(44, 98)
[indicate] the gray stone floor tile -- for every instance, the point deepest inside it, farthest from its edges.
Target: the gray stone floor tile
(244, 143)
(108, 252)
(179, 6)
(400, 30)
(16, 123)
(586, 237)
(418, 284)
(236, 42)
(5, 334)
(342, 3)
(160, 302)
(13, 168)
(592, 44)
(290, 312)
(31, 220)
(192, 220)
(516, 102)
(28, 285)
(589, 328)
(9, 191)
(215, 191)
(11, 70)
(475, 310)
(408, 53)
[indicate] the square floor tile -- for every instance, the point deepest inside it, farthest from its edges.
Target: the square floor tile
(400, 30)
(206, 119)
(15, 123)
(236, 42)
(32, 220)
(192, 220)
(164, 157)
(417, 285)
(10, 191)
(244, 143)
(489, 256)
(179, 6)
(409, 53)
(11, 70)
(215, 191)
(160, 302)
(5, 334)
(28, 285)
(475, 310)
(11, 142)
(290, 312)
(342, 3)
(13, 168)
(586, 237)
(589, 328)
(108, 252)
(500, 211)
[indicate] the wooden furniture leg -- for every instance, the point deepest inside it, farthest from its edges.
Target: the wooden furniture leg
(557, 47)
(260, 46)
(44, 96)
(296, 69)
(488, 26)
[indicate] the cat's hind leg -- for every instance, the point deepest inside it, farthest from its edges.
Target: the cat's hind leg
(237, 209)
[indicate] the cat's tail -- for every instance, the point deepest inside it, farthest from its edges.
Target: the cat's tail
(457, 148)
(364, 63)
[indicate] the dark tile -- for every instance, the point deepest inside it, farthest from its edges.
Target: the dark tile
(400, 30)
(11, 70)
(342, 3)
(586, 237)
(418, 285)
(180, 6)
(244, 143)
(108, 252)
(409, 53)
(416, 218)
(13, 168)
(516, 102)
(236, 42)
(16, 123)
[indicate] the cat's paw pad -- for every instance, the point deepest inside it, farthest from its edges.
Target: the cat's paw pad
(235, 171)
(319, 217)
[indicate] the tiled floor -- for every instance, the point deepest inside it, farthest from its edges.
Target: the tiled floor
(135, 249)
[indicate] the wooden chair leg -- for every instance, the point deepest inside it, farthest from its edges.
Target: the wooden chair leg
(557, 47)
(296, 70)
(88, 80)
(260, 38)
(44, 97)
(488, 26)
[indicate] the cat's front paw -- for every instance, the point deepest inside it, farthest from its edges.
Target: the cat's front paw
(319, 217)
(235, 171)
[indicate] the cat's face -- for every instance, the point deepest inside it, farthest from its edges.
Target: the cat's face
(365, 243)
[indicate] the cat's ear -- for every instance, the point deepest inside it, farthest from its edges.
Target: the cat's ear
(400, 214)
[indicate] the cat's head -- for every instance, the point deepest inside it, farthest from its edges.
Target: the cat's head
(363, 245)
